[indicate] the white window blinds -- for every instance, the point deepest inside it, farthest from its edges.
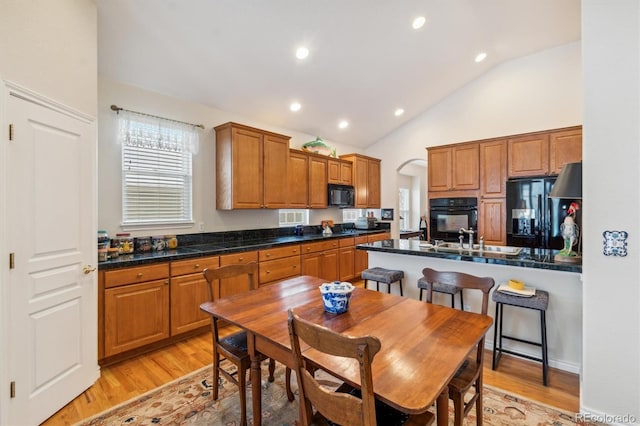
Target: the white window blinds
(156, 170)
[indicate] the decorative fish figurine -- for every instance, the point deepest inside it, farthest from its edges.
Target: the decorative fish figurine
(319, 147)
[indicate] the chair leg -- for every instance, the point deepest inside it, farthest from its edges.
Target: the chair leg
(377, 286)
(453, 301)
(421, 290)
(479, 407)
(287, 378)
(494, 363)
(458, 408)
(365, 283)
(272, 369)
(545, 360)
(461, 300)
(216, 373)
(389, 288)
(242, 390)
(400, 281)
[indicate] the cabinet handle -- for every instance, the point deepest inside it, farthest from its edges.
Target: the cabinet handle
(166, 282)
(139, 275)
(241, 259)
(268, 255)
(268, 272)
(295, 266)
(196, 266)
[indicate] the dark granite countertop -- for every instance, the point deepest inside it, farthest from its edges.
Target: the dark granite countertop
(527, 258)
(212, 248)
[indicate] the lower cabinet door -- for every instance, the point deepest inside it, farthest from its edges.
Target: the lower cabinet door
(135, 315)
(347, 263)
(187, 293)
(330, 265)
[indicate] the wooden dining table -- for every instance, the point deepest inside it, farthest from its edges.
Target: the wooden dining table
(423, 344)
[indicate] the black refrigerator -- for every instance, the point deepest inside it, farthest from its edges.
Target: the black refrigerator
(534, 219)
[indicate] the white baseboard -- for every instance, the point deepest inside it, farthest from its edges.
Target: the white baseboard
(555, 363)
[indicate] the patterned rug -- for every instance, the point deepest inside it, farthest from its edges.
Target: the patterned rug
(187, 401)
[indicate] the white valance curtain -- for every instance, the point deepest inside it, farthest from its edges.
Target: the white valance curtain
(146, 131)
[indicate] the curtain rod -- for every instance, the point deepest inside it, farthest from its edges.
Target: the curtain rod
(117, 109)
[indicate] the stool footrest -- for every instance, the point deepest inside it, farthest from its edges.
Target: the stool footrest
(507, 351)
(504, 336)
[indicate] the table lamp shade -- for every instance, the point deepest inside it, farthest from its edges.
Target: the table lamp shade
(569, 182)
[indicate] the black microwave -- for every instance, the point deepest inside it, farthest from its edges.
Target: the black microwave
(340, 195)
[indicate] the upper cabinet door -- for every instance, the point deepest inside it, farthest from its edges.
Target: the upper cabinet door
(275, 161)
(493, 169)
(373, 185)
(298, 180)
(528, 156)
(317, 182)
(439, 169)
(465, 168)
(247, 170)
(564, 147)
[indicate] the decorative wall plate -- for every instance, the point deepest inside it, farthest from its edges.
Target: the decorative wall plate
(614, 243)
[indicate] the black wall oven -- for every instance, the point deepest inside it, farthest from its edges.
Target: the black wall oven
(448, 215)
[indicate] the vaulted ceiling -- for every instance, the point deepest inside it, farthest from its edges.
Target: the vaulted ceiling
(365, 59)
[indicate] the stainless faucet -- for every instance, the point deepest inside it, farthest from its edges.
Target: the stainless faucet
(469, 231)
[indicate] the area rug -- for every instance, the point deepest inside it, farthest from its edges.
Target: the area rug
(187, 401)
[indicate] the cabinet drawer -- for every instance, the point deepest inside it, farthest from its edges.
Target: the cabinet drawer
(346, 242)
(320, 246)
(278, 253)
(273, 270)
(378, 237)
(194, 266)
(360, 240)
(135, 275)
(235, 258)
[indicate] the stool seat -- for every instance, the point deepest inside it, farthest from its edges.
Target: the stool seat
(539, 301)
(383, 275)
(442, 288)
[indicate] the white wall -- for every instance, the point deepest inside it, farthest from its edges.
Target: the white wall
(204, 175)
(536, 92)
(50, 47)
(611, 149)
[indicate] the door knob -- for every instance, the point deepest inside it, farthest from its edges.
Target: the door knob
(88, 269)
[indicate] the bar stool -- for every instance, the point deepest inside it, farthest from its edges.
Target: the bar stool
(538, 302)
(443, 288)
(382, 275)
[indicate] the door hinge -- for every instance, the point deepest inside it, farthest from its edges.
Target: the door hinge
(12, 390)
(10, 132)
(12, 260)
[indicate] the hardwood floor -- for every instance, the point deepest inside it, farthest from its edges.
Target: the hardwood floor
(125, 380)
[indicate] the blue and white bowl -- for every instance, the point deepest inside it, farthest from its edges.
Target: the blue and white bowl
(336, 296)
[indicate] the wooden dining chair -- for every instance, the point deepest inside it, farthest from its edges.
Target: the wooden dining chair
(345, 406)
(233, 347)
(470, 374)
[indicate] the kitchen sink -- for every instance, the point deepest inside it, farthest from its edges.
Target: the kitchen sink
(476, 248)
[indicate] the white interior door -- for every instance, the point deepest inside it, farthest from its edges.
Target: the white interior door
(50, 212)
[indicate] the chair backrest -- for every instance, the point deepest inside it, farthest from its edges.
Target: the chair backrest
(460, 280)
(340, 408)
(216, 278)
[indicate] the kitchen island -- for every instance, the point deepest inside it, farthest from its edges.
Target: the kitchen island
(536, 268)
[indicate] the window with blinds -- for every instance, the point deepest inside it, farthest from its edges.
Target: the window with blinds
(156, 171)
(156, 186)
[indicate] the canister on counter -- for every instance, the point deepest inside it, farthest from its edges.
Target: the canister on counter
(157, 243)
(125, 243)
(143, 244)
(171, 241)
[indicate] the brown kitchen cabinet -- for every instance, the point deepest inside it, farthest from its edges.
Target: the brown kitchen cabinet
(320, 259)
(279, 263)
(492, 220)
(528, 156)
(136, 307)
(339, 171)
(564, 147)
(366, 180)
(307, 180)
(236, 285)
(454, 168)
(493, 169)
(347, 253)
(188, 292)
(251, 168)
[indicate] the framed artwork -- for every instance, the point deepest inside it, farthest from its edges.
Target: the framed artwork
(387, 214)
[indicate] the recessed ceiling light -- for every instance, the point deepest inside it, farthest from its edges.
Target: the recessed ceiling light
(398, 112)
(302, 52)
(343, 124)
(418, 22)
(481, 56)
(295, 106)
